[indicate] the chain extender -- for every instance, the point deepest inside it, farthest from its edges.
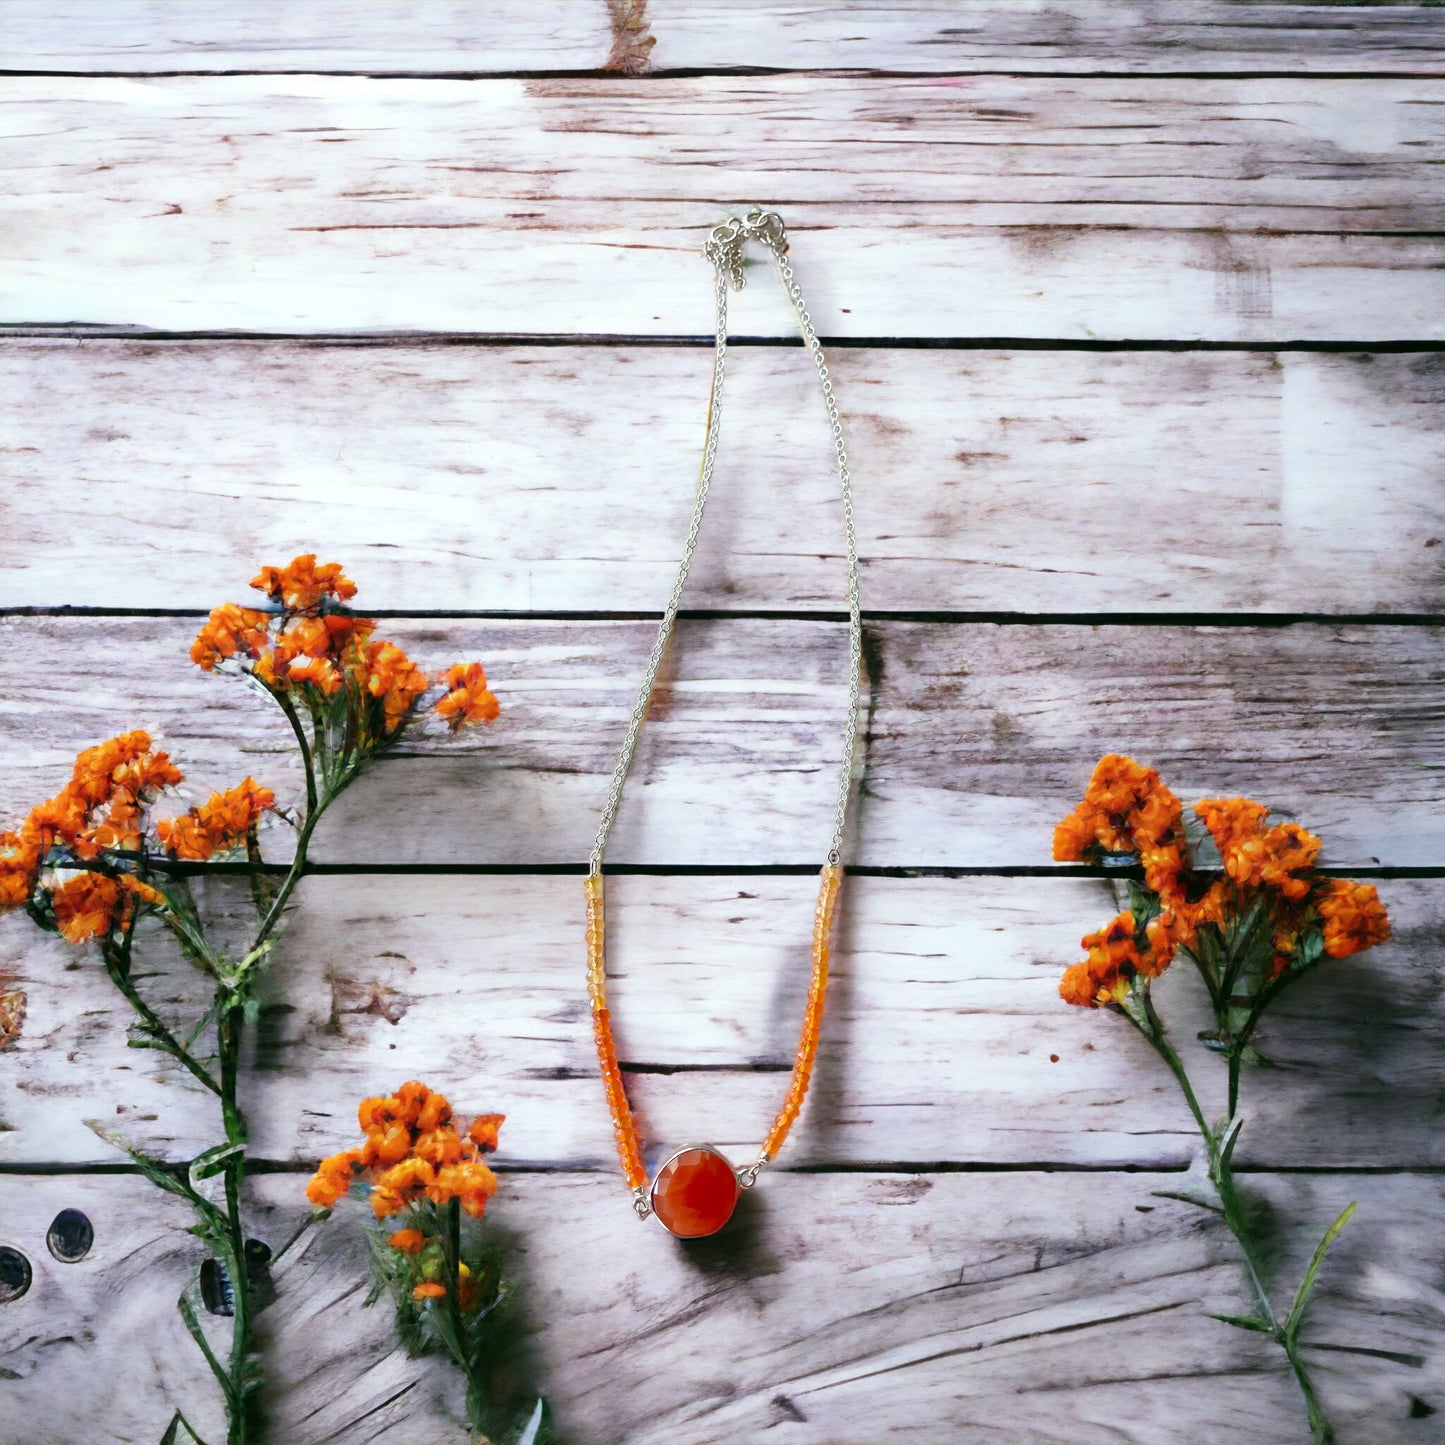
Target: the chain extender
(724, 248)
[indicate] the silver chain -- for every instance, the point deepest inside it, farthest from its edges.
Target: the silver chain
(724, 248)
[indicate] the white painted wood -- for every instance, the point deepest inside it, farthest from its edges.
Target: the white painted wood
(560, 478)
(1012, 1308)
(1021, 1309)
(441, 36)
(978, 737)
(1046, 36)
(945, 1038)
(986, 206)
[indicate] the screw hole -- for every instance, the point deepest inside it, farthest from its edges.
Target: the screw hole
(14, 1274)
(70, 1236)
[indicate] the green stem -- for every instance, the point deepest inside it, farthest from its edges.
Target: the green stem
(462, 1351)
(117, 966)
(283, 701)
(1219, 1170)
(229, 1020)
(1320, 1430)
(298, 867)
(1234, 1211)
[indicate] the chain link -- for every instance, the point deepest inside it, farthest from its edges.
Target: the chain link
(724, 249)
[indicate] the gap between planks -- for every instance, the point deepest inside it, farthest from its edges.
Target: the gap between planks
(86, 331)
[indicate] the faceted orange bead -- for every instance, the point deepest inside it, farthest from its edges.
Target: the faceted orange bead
(695, 1193)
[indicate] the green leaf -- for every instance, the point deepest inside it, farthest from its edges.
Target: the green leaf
(1189, 1197)
(205, 1020)
(534, 1426)
(153, 1169)
(1245, 1322)
(179, 1422)
(193, 1325)
(213, 1161)
(1227, 1136)
(1301, 1299)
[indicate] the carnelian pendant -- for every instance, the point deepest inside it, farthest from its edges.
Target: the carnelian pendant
(695, 1192)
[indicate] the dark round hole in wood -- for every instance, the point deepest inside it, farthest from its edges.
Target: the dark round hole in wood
(216, 1292)
(258, 1254)
(70, 1236)
(14, 1274)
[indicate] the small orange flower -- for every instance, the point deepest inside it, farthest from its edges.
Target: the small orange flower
(407, 1241)
(429, 1289)
(467, 700)
(387, 1147)
(395, 679)
(91, 904)
(217, 826)
(230, 630)
(320, 672)
(379, 1114)
(439, 1146)
(301, 585)
(483, 1132)
(1127, 809)
(1255, 855)
(1354, 917)
(333, 1178)
(413, 1148)
(470, 1181)
(19, 864)
(432, 1111)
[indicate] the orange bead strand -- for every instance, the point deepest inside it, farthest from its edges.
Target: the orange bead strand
(624, 1129)
(831, 877)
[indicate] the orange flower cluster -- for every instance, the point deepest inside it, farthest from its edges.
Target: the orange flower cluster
(228, 630)
(100, 810)
(1127, 809)
(1115, 957)
(217, 826)
(1354, 918)
(90, 904)
(302, 585)
(1256, 855)
(412, 1151)
(309, 642)
(466, 701)
(395, 679)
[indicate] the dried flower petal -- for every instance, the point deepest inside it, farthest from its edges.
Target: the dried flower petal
(301, 585)
(467, 700)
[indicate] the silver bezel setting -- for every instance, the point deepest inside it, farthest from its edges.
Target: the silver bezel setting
(676, 1154)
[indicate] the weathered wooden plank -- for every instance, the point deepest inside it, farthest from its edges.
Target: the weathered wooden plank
(1228, 209)
(978, 736)
(1024, 1309)
(513, 477)
(946, 1039)
(388, 37)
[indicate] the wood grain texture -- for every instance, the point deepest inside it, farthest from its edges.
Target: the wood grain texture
(946, 1042)
(955, 206)
(952, 1248)
(978, 737)
(1029, 1309)
(443, 37)
(560, 478)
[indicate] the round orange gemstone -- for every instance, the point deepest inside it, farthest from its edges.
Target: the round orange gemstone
(695, 1192)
